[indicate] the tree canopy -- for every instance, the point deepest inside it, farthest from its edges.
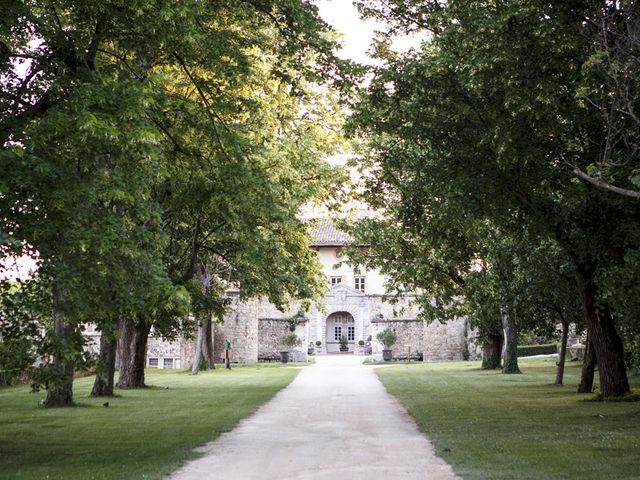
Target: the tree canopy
(147, 141)
(490, 123)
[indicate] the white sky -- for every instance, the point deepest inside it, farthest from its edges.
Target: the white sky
(343, 16)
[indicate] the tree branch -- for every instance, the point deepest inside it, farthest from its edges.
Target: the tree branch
(604, 185)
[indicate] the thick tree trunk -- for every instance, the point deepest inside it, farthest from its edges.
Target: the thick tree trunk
(103, 384)
(197, 357)
(132, 346)
(511, 343)
(588, 369)
(207, 345)
(61, 394)
(563, 353)
(492, 352)
(606, 342)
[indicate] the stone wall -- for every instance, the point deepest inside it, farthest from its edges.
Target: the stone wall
(241, 327)
(176, 353)
(445, 341)
(271, 330)
(409, 332)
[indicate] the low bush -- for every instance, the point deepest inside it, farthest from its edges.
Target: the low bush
(529, 350)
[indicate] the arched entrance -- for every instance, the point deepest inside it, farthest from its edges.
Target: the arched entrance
(340, 324)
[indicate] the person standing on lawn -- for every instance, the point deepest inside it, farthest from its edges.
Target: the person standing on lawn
(227, 353)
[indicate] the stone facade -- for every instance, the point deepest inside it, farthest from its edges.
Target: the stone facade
(445, 341)
(356, 305)
(270, 332)
(241, 327)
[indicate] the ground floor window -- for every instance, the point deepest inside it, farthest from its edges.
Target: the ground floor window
(351, 333)
(337, 333)
(153, 363)
(168, 363)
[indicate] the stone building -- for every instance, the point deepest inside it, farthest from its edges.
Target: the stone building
(356, 306)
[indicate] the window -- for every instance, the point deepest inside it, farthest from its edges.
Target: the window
(153, 363)
(337, 332)
(336, 281)
(359, 283)
(168, 363)
(351, 330)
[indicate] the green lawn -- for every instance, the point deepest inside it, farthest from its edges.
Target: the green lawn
(489, 425)
(143, 434)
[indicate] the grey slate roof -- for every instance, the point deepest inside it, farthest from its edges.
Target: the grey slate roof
(325, 234)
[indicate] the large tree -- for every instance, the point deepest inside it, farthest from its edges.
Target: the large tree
(142, 136)
(493, 113)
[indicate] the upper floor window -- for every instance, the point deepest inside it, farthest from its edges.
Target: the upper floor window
(336, 281)
(359, 284)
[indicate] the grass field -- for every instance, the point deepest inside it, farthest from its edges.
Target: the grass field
(493, 426)
(143, 434)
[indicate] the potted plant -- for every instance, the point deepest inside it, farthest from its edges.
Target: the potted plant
(388, 338)
(344, 344)
(288, 341)
(360, 347)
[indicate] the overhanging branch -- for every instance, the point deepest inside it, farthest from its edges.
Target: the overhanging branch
(604, 185)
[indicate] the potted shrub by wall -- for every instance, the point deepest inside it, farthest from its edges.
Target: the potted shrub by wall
(344, 344)
(360, 347)
(288, 341)
(388, 338)
(318, 345)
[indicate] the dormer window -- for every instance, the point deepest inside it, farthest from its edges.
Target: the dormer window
(336, 281)
(359, 284)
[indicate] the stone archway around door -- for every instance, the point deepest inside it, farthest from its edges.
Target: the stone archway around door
(340, 324)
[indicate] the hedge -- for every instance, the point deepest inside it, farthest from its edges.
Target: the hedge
(528, 350)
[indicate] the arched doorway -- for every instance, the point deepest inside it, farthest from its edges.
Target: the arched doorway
(340, 324)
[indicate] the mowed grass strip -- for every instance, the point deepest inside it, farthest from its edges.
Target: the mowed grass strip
(493, 426)
(142, 434)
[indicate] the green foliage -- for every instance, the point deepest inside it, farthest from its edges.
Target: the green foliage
(344, 341)
(157, 154)
(528, 350)
(290, 340)
(472, 148)
(387, 337)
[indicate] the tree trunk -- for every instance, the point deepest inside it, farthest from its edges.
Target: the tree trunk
(103, 384)
(60, 394)
(588, 369)
(132, 346)
(197, 357)
(208, 344)
(492, 352)
(563, 352)
(511, 342)
(606, 342)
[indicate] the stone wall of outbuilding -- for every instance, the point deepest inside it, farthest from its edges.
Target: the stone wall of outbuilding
(409, 333)
(446, 341)
(270, 332)
(241, 327)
